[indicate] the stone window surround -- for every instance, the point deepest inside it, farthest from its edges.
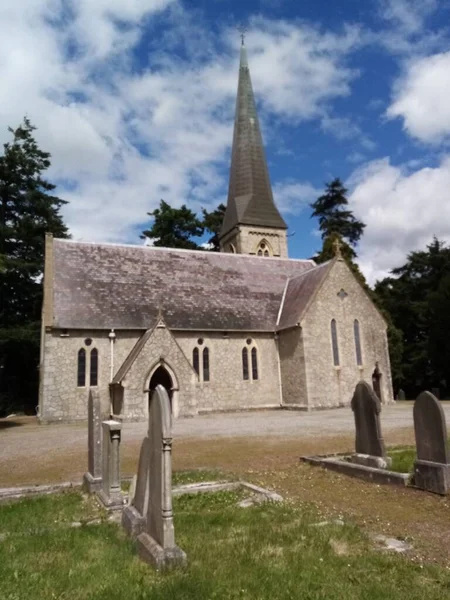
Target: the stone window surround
(249, 348)
(267, 250)
(87, 367)
(334, 339)
(198, 357)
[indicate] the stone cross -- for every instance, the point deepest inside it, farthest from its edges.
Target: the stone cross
(432, 467)
(111, 494)
(156, 545)
(366, 407)
(92, 479)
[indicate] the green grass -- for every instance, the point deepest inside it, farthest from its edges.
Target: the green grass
(264, 552)
(403, 458)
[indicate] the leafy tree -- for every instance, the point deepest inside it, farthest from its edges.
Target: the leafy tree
(174, 227)
(417, 299)
(334, 216)
(212, 222)
(27, 211)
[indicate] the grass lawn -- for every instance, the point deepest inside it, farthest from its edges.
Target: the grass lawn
(403, 458)
(270, 551)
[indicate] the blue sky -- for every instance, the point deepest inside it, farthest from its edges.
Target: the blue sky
(135, 101)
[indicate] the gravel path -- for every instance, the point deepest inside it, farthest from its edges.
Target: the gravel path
(18, 441)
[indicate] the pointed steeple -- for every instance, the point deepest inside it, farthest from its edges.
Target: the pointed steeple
(250, 198)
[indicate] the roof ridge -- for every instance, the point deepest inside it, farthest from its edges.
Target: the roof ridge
(186, 250)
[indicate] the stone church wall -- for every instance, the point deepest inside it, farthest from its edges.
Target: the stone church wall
(60, 399)
(293, 372)
(227, 390)
(330, 385)
(246, 240)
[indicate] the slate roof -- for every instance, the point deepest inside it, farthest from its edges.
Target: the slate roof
(299, 293)
(250, 198)
(103, 286)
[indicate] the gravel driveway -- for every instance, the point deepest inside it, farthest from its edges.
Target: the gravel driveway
(20, 441)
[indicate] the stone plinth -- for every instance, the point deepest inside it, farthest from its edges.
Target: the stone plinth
(92, 479)
(111, 494)
(431, 476)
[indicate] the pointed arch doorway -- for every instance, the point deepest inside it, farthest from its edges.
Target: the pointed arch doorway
(163, 376)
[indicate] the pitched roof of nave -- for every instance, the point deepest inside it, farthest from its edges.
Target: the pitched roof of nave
(250, 198)
(104, 286)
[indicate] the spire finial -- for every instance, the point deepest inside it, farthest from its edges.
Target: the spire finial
(337, 245)
(242, 30)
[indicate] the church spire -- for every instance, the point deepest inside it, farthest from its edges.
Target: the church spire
(250, 198)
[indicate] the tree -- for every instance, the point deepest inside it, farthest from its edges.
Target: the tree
(334, 218)
(174, 227)
(27, 211)
(417, 297)
(212, 222)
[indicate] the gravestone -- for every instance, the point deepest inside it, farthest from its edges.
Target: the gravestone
(110, 493)
(369, 443)
(92, 479)
(156, 544)
(401, 395)
(134, 516)
(432, 467)
(436, 392)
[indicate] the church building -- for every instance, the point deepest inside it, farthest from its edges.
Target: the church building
(243, 328)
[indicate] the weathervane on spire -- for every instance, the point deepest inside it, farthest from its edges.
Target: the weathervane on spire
(242, 30)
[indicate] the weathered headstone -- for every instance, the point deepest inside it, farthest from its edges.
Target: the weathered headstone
(135, 515)
(401, 395)
(92, 479)
(369, 443)
(111, 493)
(432, 467)
(436, 392)
(156, 545)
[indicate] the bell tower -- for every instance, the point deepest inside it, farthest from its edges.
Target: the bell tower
(252, 223)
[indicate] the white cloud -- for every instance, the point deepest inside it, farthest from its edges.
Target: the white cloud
(421, 98)
(402, 209)
(408, 15)
(126, 135)
(292, 197)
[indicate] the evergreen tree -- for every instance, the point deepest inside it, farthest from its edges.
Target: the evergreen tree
(212, 222)
(418, 299)
(174, 227)
(27, 211)
(334, 218)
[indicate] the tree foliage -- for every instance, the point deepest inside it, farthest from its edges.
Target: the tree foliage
(174, 227)
(212, 222)
(417, 297)
(27, 211)
(334, 216)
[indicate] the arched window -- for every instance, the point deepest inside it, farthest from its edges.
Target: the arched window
(94, 367)
(264, 249)
(232, 249)
(195, 361)
(334, 343)
(245, 373)
(254, 364)
(205, 364)
(81, 368)
(357, 335)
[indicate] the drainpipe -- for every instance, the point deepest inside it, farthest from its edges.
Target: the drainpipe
(280, 386)
(112, 339)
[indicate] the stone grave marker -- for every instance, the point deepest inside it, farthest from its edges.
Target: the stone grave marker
(369, 444)
(156, 544)
(401, 395)
(432, 467)
(134, 515)
(92, 479)
(110, 493)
